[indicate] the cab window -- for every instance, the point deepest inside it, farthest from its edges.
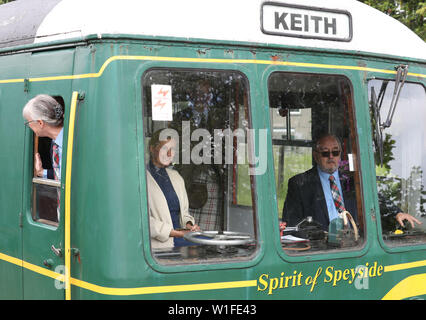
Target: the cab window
(46, 189)
(400, 156)
(201, 196)
(313, 141)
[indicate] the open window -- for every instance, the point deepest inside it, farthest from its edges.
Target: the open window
(46, 189)
(303, 109)
(208, 183)
(400, 154)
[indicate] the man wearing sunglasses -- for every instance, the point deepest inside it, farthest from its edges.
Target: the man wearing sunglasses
(310, 193)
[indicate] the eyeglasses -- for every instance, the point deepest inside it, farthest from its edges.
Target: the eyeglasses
(326, 154)
(26, 123)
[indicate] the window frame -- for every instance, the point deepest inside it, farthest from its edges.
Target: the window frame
(379, 229)
(212, 264)
(38, 181)
(350, 252)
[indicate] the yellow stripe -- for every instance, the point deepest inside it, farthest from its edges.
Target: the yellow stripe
(163, 289)
(68, 196)
(412, 286)
(12, 81)
(206, 60)
(43, 271)
(32, 267)
(10, 259)
(404, 266)
(409, 287)
(129, 291)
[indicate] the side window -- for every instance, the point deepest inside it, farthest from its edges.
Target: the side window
(200, 192)
(400, 154)
(315, 161)
(46, 181)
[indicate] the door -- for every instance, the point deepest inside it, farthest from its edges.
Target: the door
(43, 196)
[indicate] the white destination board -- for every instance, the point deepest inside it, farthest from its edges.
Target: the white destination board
(306, 22)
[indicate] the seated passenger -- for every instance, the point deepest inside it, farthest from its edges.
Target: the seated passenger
(167, 198)
(318, 191)
(310, 193)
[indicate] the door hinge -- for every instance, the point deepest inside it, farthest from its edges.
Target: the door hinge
(26, 85)
(20, 220)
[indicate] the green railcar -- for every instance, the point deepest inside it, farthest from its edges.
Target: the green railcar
(278, 74)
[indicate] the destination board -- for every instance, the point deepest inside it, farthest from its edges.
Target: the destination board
(306, 22)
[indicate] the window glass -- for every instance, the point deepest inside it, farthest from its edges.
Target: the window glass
(313, 138)
(45, 203)
(200, 192)
(400, 154)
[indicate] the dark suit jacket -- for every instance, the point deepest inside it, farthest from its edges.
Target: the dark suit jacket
(306, 198)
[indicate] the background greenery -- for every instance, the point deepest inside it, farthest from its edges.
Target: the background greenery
(412, 13)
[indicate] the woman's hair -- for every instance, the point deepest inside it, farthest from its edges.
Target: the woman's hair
(155, 138)
(46, 108)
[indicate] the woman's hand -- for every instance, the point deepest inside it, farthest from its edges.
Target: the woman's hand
(181, 232)
(192, 227)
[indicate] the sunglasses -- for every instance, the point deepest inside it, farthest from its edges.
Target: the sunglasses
(326, 154)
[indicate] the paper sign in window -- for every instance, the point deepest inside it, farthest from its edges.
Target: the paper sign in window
(161, 102)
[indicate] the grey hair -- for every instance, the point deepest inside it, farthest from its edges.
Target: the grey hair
(46, 108)
(326, 135)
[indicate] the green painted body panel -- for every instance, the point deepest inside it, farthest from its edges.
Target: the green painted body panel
(109, 220)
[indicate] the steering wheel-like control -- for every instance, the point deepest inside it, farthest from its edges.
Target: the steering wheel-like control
(219, 238)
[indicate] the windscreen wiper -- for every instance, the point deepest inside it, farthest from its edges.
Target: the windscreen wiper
(377, 101)
(378, 138)
(401, 75)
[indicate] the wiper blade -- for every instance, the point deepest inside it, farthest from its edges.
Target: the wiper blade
(401, 75)
(378, 133)
(376, 104)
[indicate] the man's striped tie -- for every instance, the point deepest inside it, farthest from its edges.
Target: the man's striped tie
(338, 201)
(55, 165)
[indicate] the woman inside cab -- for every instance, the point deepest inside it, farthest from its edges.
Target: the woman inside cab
(167, 197)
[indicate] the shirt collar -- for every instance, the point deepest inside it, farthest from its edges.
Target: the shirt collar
(326, 175)
(59, 138)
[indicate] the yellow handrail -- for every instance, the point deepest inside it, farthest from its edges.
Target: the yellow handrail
(68, 196)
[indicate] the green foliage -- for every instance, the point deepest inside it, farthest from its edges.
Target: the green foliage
(5, 1)
(412, 13)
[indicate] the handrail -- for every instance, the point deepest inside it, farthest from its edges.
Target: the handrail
(68, 195)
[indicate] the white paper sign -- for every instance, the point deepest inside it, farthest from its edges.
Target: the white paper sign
(161, 102)
(351, 162)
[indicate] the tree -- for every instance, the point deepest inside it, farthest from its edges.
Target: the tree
(412, 13)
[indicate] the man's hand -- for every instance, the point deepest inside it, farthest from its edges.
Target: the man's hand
(38, 165)
(401, 216)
